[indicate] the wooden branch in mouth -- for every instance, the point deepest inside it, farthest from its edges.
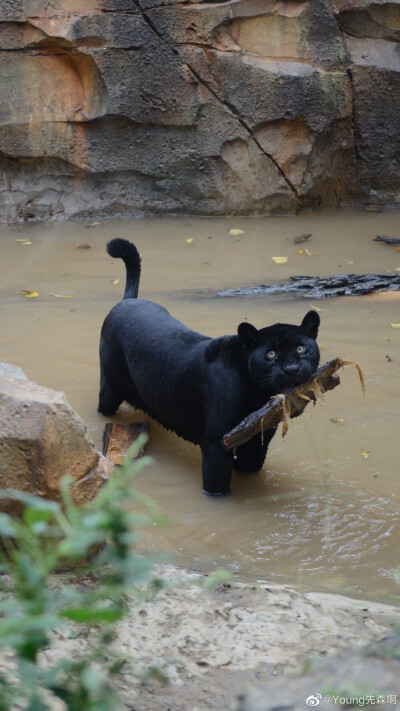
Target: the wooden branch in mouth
(282, 407)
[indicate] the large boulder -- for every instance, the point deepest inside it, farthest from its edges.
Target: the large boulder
(158, 106)
(41, 440)
(8, 370)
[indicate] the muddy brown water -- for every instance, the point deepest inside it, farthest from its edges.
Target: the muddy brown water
(324, 512)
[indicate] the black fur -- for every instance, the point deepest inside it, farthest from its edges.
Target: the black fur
(127, 251)
(197, 386)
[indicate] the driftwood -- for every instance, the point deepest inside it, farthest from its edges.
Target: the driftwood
(118, 438)
(302, 238)
(281, 407)
(324, 287)
(388, 240)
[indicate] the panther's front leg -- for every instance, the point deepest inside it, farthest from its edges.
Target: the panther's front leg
(217, 468)
(249, 457)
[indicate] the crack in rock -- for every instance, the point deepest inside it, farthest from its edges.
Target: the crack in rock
(224, 102)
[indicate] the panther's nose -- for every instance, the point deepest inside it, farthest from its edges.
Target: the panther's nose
(291, 368)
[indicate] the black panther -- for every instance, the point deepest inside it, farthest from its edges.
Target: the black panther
(194, 385)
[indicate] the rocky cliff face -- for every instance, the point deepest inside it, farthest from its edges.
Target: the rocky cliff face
(165, 106)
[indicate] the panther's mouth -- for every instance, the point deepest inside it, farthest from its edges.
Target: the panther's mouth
(292, 385)
(287, 390)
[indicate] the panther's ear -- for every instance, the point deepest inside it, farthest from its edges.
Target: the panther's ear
(247, 333)
(310, 324)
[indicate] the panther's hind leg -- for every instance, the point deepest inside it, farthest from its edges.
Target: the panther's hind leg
(110, 397)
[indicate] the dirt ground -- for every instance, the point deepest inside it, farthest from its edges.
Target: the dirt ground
(213, 646)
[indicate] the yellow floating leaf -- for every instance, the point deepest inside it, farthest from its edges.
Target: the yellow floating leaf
(300, 251)
(235, 231)
(337, 420)
(315, 308)
(279, 260)
(24, 242)
(29, 294)
(93, 224)
(115, 281)
(365, 454)
(395, 325)
(397, 269)
(397, 249)
(83, 245)
(351, 262)
(62, 296)
(309, 253)
(189, 240)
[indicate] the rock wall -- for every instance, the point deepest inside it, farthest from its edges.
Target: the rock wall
(111, 107)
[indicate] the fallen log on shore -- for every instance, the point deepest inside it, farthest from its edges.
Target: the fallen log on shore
(388, 240)
(281, 407)
(324, 287)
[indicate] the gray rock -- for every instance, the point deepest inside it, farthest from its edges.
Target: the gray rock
(7, 370)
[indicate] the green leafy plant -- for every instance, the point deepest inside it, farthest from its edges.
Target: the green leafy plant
(46, 539)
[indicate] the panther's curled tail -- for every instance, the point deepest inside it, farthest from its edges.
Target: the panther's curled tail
(127, 251)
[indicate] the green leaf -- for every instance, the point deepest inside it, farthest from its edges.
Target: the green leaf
(35, 515)
(92, 680)
(7, 526)
(90, 615)
(36, 704)
(80, 545)
(216, 578)
(23, 626)
(35, 502)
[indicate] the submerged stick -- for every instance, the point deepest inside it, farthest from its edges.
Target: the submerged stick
(281, 407)
(117, 439)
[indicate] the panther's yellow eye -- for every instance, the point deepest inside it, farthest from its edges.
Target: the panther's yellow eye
(300, 349)
(271, 354)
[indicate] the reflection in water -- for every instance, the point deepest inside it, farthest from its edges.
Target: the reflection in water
(321, 513)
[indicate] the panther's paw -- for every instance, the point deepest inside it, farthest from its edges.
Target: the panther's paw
(217, 493)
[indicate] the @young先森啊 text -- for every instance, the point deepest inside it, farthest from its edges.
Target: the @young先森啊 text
(342, 700)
